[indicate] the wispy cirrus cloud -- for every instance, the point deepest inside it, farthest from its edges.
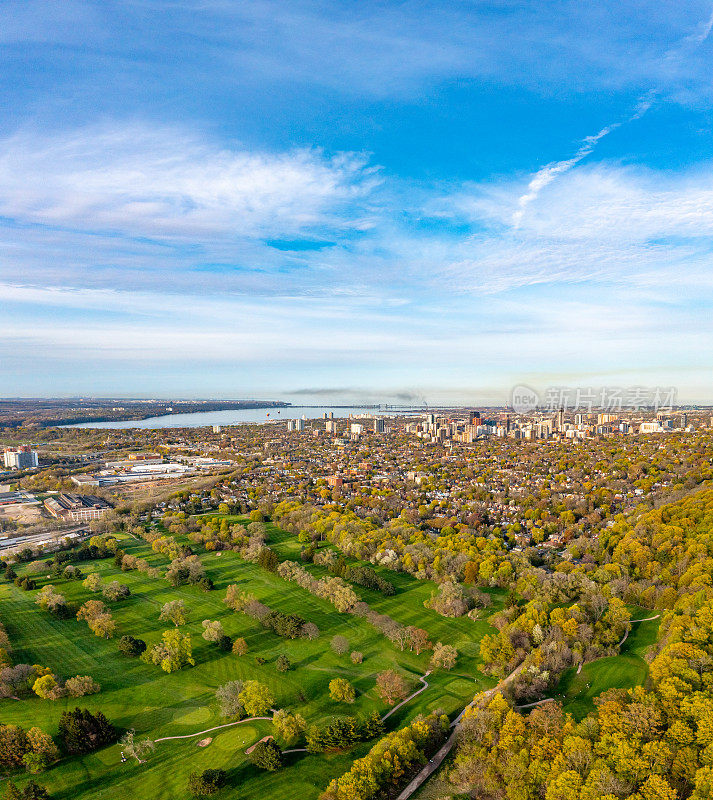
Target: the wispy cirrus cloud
(141, 180)
(674, 56)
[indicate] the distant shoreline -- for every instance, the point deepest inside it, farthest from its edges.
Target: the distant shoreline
(238, 416)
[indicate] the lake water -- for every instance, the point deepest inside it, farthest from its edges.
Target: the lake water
(238, 416)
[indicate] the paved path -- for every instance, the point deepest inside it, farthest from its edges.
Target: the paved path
(209, 730)
(630, 623)
(446, 748)
(410, 697)
(536, 703)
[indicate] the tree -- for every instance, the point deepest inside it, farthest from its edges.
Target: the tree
(174, 611)
(450, 600)
(289, 727)
(173, 653)
(229, 702)
(341, 690)
(310, 631)
(33, 791)
(93, 582)
(81, 685)
(266, 755)
(72, 573)
(12, 792)
(391, 686)
(256, 699)
(42, 751)
(444, 656)
(133, 749)
(13, 746)
(51, 601)
(103, 626)
(268, 559)
(340, 645)
(357, 657)
(418, 639)
(116, 591)
(91, 609)
(212, 631)
(240, 647)
(232, 597)
(80, 731)
(128, 646)
(206, 783)
(47, 688)
(283, 663)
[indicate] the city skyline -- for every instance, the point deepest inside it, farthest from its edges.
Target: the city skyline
(355, 201)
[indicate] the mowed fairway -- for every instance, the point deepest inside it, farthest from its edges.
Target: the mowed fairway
(628, 669)
(156, 704)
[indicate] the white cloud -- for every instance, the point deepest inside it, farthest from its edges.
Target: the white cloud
(144, 181)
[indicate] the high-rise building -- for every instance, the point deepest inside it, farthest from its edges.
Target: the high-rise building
(379, 425)
(20, 457)
(217, 429)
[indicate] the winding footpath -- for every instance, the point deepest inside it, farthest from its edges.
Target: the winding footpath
(217, 728)
(446, 748)
(628, 628)
(410, 697)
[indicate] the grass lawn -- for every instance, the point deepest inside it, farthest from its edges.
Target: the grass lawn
(136, 695)
(628, 669)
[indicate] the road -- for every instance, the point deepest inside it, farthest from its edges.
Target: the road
(35, 539)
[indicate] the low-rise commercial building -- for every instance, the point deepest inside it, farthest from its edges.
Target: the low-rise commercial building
(76, 507)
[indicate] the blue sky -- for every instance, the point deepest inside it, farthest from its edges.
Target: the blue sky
(347, 200)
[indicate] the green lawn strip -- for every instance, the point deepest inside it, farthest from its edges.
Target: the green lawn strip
(623, 671)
